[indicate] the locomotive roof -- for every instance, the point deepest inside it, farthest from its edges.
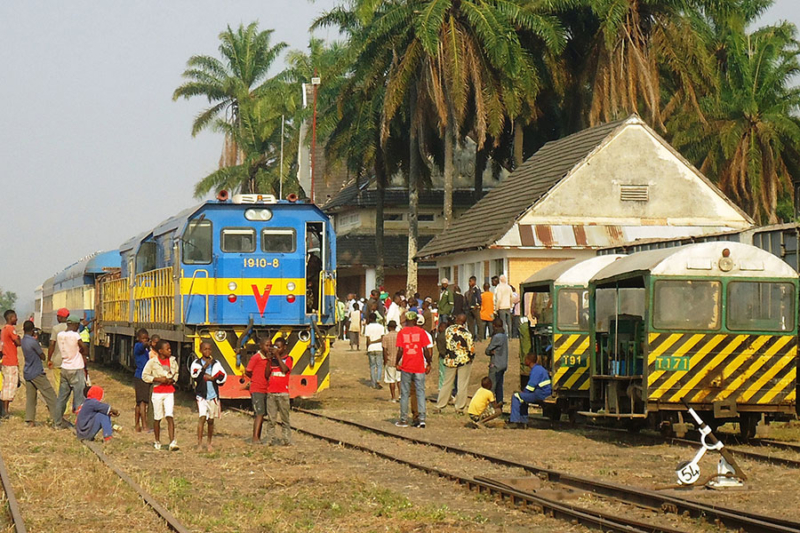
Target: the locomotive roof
(698, 260)
(575, 272)
(92, 264)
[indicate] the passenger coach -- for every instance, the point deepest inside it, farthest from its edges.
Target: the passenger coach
(712, 324)
(229, 271)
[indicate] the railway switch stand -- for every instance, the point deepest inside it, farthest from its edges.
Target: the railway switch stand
(728, 472)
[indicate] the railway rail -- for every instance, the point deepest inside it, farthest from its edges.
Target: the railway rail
(767, 458)
(13, 505)
(732, 518)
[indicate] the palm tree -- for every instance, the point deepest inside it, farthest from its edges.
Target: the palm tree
(639, 47)
(241, 74)
(748, 135)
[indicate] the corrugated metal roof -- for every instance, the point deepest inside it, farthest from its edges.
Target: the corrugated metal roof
(365, 195)
(593, 236)
(359, 250)
(490, 218)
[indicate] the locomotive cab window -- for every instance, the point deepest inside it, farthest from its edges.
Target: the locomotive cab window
(198, 243)
(278, 240)
(238, 240)
(687, 304)
(760, 306)
(573, 309)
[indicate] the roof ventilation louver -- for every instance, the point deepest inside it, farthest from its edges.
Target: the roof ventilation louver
(634, 193)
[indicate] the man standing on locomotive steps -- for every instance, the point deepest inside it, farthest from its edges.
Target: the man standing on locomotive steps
(414, 362)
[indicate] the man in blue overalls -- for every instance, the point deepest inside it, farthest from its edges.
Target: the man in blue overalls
(537, 390)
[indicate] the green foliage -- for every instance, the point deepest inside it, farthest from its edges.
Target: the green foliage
(8, 300)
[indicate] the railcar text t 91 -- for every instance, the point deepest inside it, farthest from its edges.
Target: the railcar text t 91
(230, 271)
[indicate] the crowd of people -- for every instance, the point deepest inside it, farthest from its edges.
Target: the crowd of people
(400, 334)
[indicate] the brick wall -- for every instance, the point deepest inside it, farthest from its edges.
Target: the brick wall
(520, 269)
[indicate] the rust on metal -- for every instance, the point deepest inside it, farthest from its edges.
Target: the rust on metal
(544, 235)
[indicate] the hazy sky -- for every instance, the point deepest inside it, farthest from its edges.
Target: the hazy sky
(92, 148)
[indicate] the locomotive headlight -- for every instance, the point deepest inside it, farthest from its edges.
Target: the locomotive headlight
(290, 286)
(261, 215)
(220, 335)
(232, 286)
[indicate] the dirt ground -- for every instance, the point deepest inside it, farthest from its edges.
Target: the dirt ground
(315, 486)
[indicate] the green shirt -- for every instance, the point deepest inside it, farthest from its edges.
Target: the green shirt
(446, 302)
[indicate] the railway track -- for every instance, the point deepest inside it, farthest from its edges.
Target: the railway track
(13, 505)
(634, 496)
(767, 458)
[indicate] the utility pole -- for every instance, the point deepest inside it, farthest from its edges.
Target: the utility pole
(280, 179)
(315, 81)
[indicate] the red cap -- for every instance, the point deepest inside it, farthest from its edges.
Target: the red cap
(63, 312)
(95, 393)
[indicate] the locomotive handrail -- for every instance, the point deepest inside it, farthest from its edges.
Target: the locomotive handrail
(191, 288)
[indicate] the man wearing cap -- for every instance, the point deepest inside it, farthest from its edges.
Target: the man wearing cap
(73, 368)
(414, 362)
(446, 300)
(53, 353)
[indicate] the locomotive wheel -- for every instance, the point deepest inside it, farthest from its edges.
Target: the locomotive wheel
(552, 412)
(747, 425)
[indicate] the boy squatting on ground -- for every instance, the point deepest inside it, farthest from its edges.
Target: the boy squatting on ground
(209, 375)
(35, 378)
(162, 371)
(479, 406)
(95, 415)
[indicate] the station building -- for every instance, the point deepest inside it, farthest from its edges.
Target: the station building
(605, 186)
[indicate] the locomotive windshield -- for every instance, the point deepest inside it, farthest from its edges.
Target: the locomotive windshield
(238, 240)
(760, 306)
(687, 304)
(197, 243)
(278, 240)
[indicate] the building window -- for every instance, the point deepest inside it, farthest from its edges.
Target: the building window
(393, 217)
(445, 272)
(497, 267)
(425, 218)
(349, 219)
(634, 193)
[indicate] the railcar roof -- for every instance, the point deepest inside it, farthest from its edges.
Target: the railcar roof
(92, 264)
(575, 272)
(699, 260)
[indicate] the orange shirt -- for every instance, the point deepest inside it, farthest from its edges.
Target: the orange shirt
(487, 306)
(8, 336)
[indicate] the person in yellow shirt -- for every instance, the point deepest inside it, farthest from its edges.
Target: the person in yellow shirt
(479, 406)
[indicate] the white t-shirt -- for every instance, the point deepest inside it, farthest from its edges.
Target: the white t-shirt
(71, 358)
(355, 320)
(374, 331)
(393, 313)
(58, 328)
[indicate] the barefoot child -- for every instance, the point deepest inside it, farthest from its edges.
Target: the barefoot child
(278, 396)
(258, 369)
(163, 373)
(95, 415)
(389, 345)
(209, 375)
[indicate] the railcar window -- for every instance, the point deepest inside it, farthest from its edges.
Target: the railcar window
(631, 302)
(540, 307)
(198, 242)
(760, 306)
(238, 240)
(278, 240)
(687, 304)
(573, 309)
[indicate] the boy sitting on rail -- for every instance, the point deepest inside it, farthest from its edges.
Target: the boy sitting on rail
(95, 415)
(209, 375)
(537, 390)
(479, 410)
(163, 373)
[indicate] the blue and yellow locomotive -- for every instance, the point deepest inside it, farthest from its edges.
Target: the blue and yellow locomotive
(230, 270)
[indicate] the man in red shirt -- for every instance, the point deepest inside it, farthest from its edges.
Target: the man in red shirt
(257, 370)
(413, 362)
(10, 341)
(280, 366)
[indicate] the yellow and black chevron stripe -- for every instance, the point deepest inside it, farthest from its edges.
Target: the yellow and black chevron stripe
(571, 358)
(751, 369)
(225, 352)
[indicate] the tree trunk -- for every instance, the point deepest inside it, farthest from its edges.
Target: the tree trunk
(449, 166)
(413, 193)
(481, 158)
(380, 185)
(518, 140)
